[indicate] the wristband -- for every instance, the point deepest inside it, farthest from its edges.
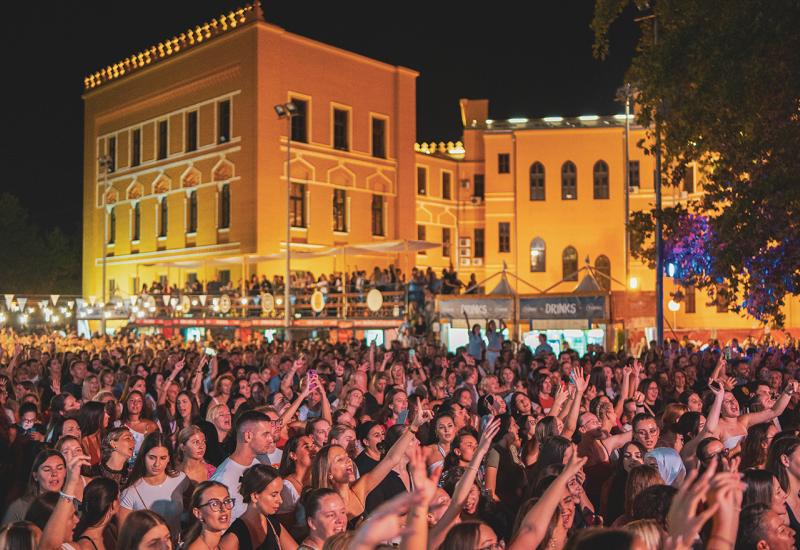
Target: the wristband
(66, 497)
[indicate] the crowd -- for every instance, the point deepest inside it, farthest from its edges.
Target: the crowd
(388, 279)
(139, 442)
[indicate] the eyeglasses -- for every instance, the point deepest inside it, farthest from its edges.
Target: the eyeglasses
(216, 505)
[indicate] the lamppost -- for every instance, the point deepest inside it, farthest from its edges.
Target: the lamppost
(106, 166)
(287, 111)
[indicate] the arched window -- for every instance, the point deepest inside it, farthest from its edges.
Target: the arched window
(600, 180)
(225, 206)
(602, 265)
(112, 225)
(569, 264)
(538, 253)
(192, 212)
(569, 181)
(163, 217)
(137, 223)
(537, 181)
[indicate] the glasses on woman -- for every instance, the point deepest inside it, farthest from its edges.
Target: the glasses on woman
(216, 504)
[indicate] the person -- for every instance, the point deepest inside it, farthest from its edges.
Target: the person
(59, 510)
(611, 500)
(543, 348)
(70, 446)
(445, 428)
(217, 428)
(93, 420)
(100, 505)
(257, 526)
(47, 474)
(144, 530)
(20, 535)
(210, 505)
(371, 435)
(296, 470)
(761, 528)
(117, 454)
(191, 448)
(253, 436)
(495, 339)
(135, 417)
(153, 485)
(783, 460)
(326, 516)
(733, 425)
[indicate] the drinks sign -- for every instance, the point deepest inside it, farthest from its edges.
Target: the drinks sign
(477, 308)
(564, 307)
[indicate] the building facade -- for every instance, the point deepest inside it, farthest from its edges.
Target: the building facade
(198, 172)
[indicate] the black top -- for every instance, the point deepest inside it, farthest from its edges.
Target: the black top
(216, 452)
(365, 463)
(271, 542)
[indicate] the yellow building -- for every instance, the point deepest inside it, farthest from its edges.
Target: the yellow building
(198, 174)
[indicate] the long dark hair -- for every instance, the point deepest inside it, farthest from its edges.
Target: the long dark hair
(615, 506)
(19, 535)
(146, 413)
(196, 528)
(754, 450)
(90, 418)
(551, 451)
(287, 466)
(781, 446)
(136, 526)
(463, 535)
(255, 479)
(98, 496)
(151, 441)
(759, 487)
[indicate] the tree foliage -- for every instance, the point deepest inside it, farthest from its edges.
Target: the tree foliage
(723, 83)
(35, 261)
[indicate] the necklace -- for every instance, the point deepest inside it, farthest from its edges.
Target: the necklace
(277, 537)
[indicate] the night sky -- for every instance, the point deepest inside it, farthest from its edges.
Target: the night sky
(533, 63)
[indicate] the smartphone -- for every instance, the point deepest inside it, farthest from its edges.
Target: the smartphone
(572, 377)
(402, 417)
(211, 352)
(411, 353)
(312, 373)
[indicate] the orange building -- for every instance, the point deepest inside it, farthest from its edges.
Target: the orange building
(197, 181)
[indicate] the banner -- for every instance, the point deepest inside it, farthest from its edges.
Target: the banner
(477, 308)
(9, 300)
(563, 307)
(54, 298)
(21, 303)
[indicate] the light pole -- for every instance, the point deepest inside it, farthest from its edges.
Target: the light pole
(106, 165)
(287, 111)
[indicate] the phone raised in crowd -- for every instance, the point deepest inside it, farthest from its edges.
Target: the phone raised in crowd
(211, 352)
(411, 353)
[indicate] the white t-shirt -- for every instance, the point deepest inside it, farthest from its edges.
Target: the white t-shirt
(271, 459)
(290, 497)
(165, 499)
(228, 473)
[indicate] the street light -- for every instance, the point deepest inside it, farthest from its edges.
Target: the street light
(287, 111)
(106, 166)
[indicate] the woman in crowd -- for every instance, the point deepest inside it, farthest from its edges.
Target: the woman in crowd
(136, 417)
(639, 478)
(295, 470)
(217, 428)
(445, 428)
(47, 474)
(93, 420)
(100, 504)
(189, 455)
(211, 507)
(70, 447)
(258, 527)
(612, 504)
(326, 516)
(144, 530)
(153, 485)
(783, 460)
(116, 456)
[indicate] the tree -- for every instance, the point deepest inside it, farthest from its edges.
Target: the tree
(722, 82)
(33, 263)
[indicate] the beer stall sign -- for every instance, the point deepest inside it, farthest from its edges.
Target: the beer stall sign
(564, 307)
(477, 308)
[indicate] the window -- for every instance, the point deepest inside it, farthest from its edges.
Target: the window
(297, 200)
(600, 180)
(504, 237)
(191, 131)
(447, 179)
(633, 175)
(688, 179)
(136, 231)
(537, 181)
(602, 267)
(503, 163)
(569, 181)
(538, 255)
(691, 304)
(569, 264)
(421, 236)
(480, 239)
(112, 287)
(163, 135)
(340, 123)
(721, 302)
(225, 206)
(446, 242)
(377, 215)
(112, 225)
(192, 225)
(379, 138)
(480, 185)
(136, 148)
(163, 217)
(300, 121)
(422, 181)
(224, 121)
(340, 210)
(112, 153)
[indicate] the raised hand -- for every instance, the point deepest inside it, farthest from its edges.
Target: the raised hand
(683, 519)
(387, 521)
(421, 416)
(491, 429)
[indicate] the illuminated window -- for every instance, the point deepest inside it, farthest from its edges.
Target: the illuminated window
(600, 180)
(297, 205)
(538, 255)
(569, 264)
(569, 181)
(537, 181)
(602, 265)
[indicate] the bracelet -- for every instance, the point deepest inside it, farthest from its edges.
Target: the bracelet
(413, 430)
(65, 496)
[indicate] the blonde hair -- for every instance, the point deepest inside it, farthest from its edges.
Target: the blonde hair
(672, 413)
(213, 411)
(648, 531)
(183, 437)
